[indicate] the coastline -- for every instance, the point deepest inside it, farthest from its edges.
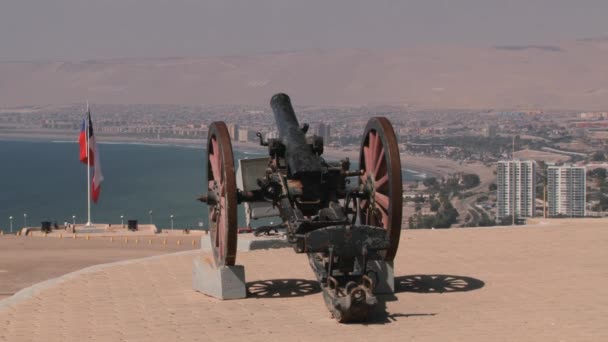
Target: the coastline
(428, 166)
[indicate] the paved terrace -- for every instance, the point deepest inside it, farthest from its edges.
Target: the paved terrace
(27, 260)
(548, 282)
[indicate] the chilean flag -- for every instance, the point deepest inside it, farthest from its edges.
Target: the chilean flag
(90, 157)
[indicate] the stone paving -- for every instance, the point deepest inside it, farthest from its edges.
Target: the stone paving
(542, 283)
(27, 260)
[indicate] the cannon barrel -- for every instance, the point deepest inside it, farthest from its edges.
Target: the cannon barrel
(298, 154)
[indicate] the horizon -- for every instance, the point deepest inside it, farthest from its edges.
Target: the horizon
(554, 47)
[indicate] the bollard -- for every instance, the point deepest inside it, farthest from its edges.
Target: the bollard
(111, 239)
(136, 241)
(149, 241)
(126, 240)
(193, 242)
(179, 242)
(61, 236)
(88, 237)
(164, 241)
(74, 236)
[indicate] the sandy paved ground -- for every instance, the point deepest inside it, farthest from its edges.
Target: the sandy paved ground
(25, 261)
(547, 282)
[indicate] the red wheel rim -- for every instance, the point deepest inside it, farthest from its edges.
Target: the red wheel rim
(221, 181)
(381, 165)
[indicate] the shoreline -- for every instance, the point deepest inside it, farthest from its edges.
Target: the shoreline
(422, 165)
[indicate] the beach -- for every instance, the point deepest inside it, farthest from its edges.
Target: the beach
(429, 166)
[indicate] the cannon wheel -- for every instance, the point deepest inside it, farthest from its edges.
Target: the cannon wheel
(381, 178)
(222, 182)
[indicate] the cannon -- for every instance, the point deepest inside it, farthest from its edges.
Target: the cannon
(343, 219)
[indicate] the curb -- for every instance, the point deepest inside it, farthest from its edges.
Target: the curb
(35, 289)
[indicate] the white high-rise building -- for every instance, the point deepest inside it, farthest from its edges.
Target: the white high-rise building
(233, 130)
(323, 131)
(566, 190)
(516, 189)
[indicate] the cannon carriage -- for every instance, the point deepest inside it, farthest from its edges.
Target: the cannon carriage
(343, 219)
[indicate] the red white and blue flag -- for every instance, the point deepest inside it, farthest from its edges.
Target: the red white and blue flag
(90, 157)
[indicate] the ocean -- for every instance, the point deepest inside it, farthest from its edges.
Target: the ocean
(47, 182)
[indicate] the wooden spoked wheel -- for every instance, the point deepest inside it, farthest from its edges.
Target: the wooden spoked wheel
(381, 180)
(221, 189)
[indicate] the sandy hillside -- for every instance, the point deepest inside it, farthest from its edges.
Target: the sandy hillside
(571, 76)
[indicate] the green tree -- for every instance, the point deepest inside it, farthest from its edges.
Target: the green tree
(598, 156)
(485, 221)
(599, 173)
(603, 204)
(430, 182)
(418, 199)
(470, 180)
(435, 204)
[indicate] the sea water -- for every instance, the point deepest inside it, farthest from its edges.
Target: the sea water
(47, 182)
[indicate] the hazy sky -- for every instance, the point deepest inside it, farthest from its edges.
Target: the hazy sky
(87, 29)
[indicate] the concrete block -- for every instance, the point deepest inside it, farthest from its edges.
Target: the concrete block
(248, 242)
(224, 282)
(384, 276)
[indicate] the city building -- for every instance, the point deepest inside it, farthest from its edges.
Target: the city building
(233, 130)
(516, 189)
(246, 135)
(594, 115)
(566, 190)
(271, 135)
(490, 131)
(323, 131)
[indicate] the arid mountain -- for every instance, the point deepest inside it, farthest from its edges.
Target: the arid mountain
(569, 76)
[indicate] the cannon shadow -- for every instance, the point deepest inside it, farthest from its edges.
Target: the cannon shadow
(421, 283)
(436, 283)
(282, 288)
(417, 283)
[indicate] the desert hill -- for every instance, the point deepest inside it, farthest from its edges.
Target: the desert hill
(568, 76)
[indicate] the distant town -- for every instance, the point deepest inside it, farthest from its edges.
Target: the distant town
(504, 166)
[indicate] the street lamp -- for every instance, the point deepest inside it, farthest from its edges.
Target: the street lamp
(171, 221)
(74, 219)
(122, 222)
(10, 218)
(24, 220)
(150, 213)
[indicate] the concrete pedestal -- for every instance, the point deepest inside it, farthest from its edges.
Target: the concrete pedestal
(224, 282)
(384, 276)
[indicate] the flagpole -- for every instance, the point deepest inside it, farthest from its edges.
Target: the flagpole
(88, 130)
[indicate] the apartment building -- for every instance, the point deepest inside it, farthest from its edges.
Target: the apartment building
(566, 190)
(516, 189)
